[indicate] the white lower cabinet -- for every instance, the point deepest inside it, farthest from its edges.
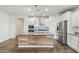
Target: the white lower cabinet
(69, 40)
(73, 42)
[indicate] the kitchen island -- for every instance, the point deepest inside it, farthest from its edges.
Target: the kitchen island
(35, 41)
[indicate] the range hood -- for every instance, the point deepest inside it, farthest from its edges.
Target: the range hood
(42, 27)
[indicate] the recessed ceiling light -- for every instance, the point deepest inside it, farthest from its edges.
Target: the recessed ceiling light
(44, 14)
(46, 9)
(29, 9)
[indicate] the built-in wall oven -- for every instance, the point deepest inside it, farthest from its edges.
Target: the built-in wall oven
(30, 28)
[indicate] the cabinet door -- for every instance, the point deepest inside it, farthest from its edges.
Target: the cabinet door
(74, 20)
(77, 18)
(75, 43)
(69, 40)
(78, 45)
(77, 21)
(69, 26)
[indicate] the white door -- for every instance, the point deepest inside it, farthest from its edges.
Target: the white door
(19, 26)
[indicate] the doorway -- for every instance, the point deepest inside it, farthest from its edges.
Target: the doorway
(20, 26)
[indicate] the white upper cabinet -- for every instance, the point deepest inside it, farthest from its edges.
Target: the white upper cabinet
(38, 20)
(75, 19)
(44, 21)
(32, 21)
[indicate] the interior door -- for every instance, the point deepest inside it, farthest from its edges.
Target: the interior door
(20, 26)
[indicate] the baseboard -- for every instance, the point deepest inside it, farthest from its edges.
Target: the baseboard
(72, 49)
(7, 38)
(4, 39)
(13, 36)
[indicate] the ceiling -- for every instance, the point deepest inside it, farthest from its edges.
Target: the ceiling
(35, 9)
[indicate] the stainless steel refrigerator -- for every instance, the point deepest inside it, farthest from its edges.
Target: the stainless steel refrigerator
(62, 32)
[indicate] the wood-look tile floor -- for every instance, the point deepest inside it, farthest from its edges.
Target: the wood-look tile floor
(10, 46)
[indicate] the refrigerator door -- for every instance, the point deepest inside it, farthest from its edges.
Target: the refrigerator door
(62, 32)
(65, 33)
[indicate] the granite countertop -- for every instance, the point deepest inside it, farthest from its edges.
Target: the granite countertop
(35, 33)
(73, 34)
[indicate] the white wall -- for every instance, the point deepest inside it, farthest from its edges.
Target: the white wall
(4, 26)
(15, 24)
(19, 26)
(12, 26)
(7, 26)
(53, 24)
(75, 20)
(26, 21)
